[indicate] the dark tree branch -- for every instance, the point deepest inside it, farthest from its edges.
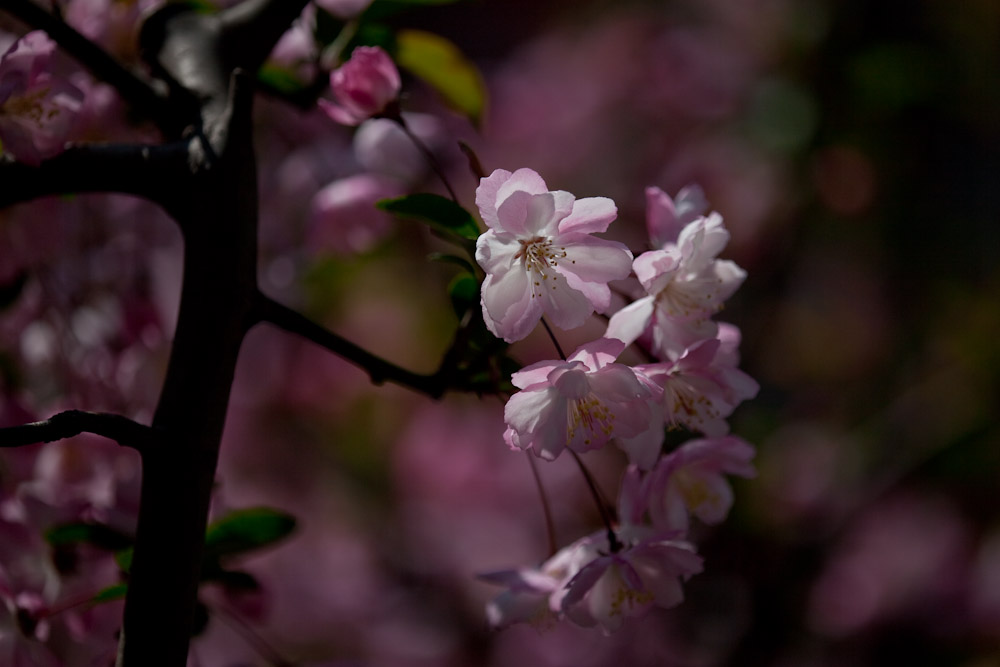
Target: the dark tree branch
(145, 171)
(67, 424)
(378, 369)
(138, 92)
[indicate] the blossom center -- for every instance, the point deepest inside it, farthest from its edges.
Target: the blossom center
(29, 106)
(539, 253)
(591, 416)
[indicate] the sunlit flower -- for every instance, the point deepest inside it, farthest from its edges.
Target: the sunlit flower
(684, 281)
(539, 255)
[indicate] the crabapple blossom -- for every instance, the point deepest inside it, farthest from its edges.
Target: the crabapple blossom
(666, 217)
(620, 584)
(597, 579)
(690, 480)
(539, 255)
(363, 87)
(703, 386)
(685, 284)
(580, 403)
(37, 109)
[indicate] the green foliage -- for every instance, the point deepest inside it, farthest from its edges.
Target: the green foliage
(449, 219)
(442, 65)
(246, 530)
(96, 534)
(110, 594)
(464, 293)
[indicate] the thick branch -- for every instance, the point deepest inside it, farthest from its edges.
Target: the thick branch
(63, 425)
(145, 171)
(378, 369)
(137, 92)
(252, 28)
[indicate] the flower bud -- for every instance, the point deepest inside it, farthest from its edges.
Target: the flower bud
(363, 87)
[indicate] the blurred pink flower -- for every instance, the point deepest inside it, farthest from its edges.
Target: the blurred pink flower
(382, 146)
(580, 403)
(344, 9)
(691, 480)
(343, 217)
(37, 109)
(363, 87)
(539, 255)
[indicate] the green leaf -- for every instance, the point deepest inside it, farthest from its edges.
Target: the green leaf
(443, 66)
(446, 218)
(97, 534)
(439, 212)
(123, 559)
(464, 293)
(245, 530)
(111, 593)
(280, 79)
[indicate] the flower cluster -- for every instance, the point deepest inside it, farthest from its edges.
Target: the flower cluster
(541, 259)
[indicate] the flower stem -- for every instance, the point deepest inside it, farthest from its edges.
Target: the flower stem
(550, 531)
(602, 507)
(431, 160)
(555, 341)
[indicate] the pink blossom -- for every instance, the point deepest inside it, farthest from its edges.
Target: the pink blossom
(37, 109)
(628, 582)
(363, 87)
(691, 480)
(685, 285)
(666, 217)
(539, 255)
(703, 386)
(535, 595)
(343, 217)
(580, 403)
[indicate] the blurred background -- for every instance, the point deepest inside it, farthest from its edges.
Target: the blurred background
(853, 149)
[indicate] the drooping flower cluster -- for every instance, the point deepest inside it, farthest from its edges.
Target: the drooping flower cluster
(540, 259)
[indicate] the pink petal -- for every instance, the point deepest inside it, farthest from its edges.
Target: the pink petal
(590, 215)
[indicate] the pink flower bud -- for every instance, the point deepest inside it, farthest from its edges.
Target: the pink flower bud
(362, 87)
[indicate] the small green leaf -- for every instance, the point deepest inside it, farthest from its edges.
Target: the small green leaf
(280, 79)
(123, 559)
(439, 212)
(464, 293)
(443, 66)
(97, 534)
(245, 530)
(111, 593)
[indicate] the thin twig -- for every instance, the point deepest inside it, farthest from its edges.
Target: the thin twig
(67, 424)
(602, 505)
(431, 160)
(550, 530)
(378, 369)
(555, 341)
